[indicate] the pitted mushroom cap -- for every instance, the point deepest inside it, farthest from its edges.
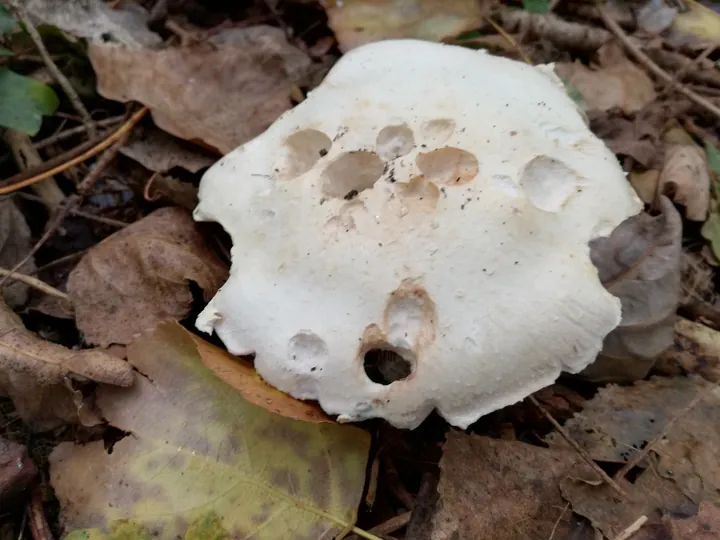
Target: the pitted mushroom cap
(430, 201)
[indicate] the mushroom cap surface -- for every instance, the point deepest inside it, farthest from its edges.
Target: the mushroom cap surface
(428, 200)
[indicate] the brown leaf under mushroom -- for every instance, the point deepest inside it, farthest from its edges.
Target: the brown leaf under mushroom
(14, 245)
(140, 276)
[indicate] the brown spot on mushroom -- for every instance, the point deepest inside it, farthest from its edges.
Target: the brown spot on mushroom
(437, 131)
(419, 194)
(448, 166)
(352, 171)
(301, 151)
(548, 183)
(394, 141)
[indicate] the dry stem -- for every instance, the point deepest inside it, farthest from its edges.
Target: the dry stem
(27, 157)
(34, 283)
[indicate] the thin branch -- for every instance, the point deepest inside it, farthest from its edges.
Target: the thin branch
(27, 157)
(103, 145)
(60, 261)
(34, 283)
(38, 524)
(56, 73)
(80, 213)
(651, 66)
(565, 435)
(557, 522)
(62, 135)
(500, 30)
(632, 529)
(638, 457)
(390, 526)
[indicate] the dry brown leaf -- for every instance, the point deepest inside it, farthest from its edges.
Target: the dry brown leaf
(15, 243)
(685, 175)
(705, 525)
(356, 22)
(140, 276)
(696, 350)
(640, 264)
(497, 490)
(682, 469)
(158, 151)
(17, 471)
(37, 375)
(241, 375)
(616, 84)
(645, 184)
(222, 92)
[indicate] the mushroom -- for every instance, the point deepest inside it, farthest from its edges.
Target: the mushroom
(414, 236)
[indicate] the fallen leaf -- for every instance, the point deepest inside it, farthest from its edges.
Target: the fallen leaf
(697, 25)
(222, 92)
(178, 192)
(497, 490)
(37, 375)
(640, 264)
(241, 375)
(201, 456)
(356, 22)
(711, 230)
(617, 83)
(696, 350)
(140, 276)
(705, 525)
(655, 16)
(15, 243)
(685, 172)
(17, 471)
(24, 102)
(681, 470)
(159, 152)
(645, 184)
(96, 20)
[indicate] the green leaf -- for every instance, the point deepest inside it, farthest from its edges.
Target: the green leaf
(7, 21)
(713, 157)
(203, 463)
(711, 232)
(6, 52)
(24, 101)
(536, 6)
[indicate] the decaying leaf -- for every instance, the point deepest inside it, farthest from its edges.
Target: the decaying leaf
(681, 470)
(159, 152)
(96, 20)
(222, 92)
(497, 490)
(705, 525)
(696, 350)
(356, 22)
(685, 175)
(242, 376)
(695, 26)
(17, 470)
(645, 184)
(15, 243)
(617, 83)
(140, 276)
(199, 454)
(37, 375)
(640, 264)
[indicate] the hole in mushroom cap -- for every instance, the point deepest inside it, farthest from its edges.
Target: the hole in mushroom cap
(448, 166)
(394, 141)
(352, 173)
(302, 150)
(383, 366)
(548, 183)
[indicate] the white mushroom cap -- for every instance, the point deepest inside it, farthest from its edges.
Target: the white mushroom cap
(429, 200)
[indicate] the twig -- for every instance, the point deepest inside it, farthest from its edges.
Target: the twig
(56, 73)
(70, 202)
(81, 213)
(651, 66)
(557, 522)
(38, 524)
(35, 283)
(62, 135)
(390, 526)
(565, 435)
(564, 34)
(638, 457)
(60, 261)
(104, 144)
(688, 67)
(27, 157)
(396, 486)
(632, 529)
(500, 30)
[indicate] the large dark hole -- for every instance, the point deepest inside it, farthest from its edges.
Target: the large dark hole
(385, 367)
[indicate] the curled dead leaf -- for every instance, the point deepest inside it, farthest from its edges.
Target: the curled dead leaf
(685, 175)
(640, 264)
(616, 84)
(222, 92)
(14, 245)
(140, 276)
(37, 375)
(159, 152)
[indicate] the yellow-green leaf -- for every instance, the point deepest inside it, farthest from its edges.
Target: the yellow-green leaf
(24, 101)
(711, 232)
(201, 462)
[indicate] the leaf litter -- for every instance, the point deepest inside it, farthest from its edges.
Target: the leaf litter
(198, 451)
(192, 395)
